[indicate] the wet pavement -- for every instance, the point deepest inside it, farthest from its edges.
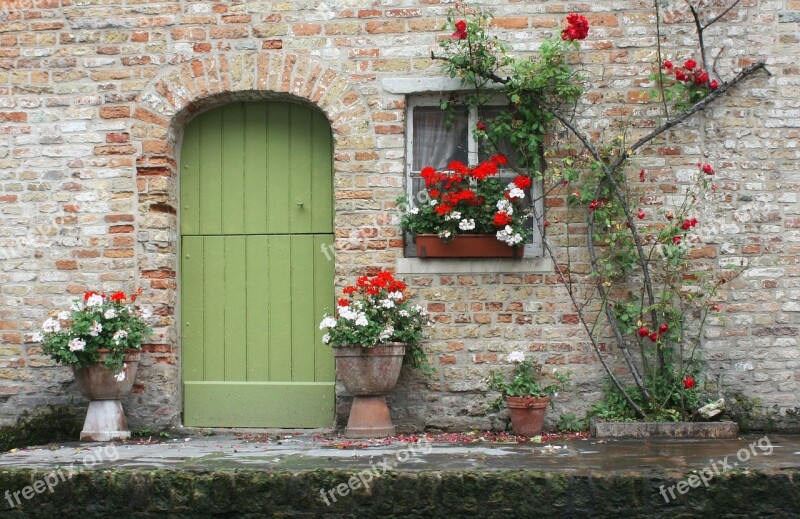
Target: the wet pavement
(298, 452)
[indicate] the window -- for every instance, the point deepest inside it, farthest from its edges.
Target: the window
(435, 137)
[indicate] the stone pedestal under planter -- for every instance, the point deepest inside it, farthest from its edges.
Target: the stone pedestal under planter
(465, 246)
(699, 430)
(105, 419)
(369, 374)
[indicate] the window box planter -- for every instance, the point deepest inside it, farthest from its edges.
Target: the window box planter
(465, 246)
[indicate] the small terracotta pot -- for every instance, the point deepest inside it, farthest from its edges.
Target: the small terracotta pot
(465, 246)
(527, 414)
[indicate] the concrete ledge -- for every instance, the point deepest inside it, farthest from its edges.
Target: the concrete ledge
(538, 265)
(707, 430)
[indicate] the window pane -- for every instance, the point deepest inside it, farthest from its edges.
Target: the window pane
(440, 136)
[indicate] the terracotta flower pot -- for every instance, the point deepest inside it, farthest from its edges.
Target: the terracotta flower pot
(465, 246)
(369, 373)
(105, 419)
(527, 414)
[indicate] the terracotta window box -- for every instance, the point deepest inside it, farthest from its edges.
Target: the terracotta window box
(465, 246)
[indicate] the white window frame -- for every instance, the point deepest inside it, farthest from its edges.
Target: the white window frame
(535, 248)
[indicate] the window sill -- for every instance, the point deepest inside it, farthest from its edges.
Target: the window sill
(540, 265)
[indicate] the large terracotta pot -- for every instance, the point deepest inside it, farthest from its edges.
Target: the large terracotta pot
(527, 414)
(369, 373)
(105, 419)
(465, 246)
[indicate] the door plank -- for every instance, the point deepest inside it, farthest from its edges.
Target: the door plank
(279, 168)
(258, 307)
(211, 172)
(214, 303)
(303, 318)
(233, 153)
(255, 168)
(192, 307)
(280, 304)
(235, 303)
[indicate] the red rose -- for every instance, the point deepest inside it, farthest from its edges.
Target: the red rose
(118, 296)
(546, 224)
(663, 328)
(578, 28)
(713, 85)
(680, 76)
(593, 205)
(693, 221)
(708, 170)
(641, 175)
(701, 79)
(643, 332)
(690, 64)
(688, 383)
(461, 30)
(686, 225)
(676, 240)
(667, 64)
(641, 215)
(481, 126)
(653, 337)
(522, 182)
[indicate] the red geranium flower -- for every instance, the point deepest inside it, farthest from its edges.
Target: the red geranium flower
(501, 219)
(350, 290)
(688, 383)
(522, 182)
(87, 295)
(343, 302)
(443, 209)
(458, 167)
(499, 159)
(118, 296)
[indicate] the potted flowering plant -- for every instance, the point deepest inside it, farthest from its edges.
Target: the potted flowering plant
(527, 397)
(469, 212)
(99, 337)
(373, 328)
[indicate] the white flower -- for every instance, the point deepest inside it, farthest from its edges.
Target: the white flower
(76, 306)
(455, 215)
(505, 206)
(466, 225)
(418, 309)
(386, 333)
(37, 337)
(63, 315)
(433, 202)
(346, 313)
(120, 376)
(328, 322)
(77, 344)
(96, 329)
(119, 335)
(387, 303)
(94, 300)
(516, 356)
(51, 325)
(413, 210)
(403, 313)
(110, 313)
(515, 192)
(362, 319)
(397, 296)
(326, 338)
(445, 234)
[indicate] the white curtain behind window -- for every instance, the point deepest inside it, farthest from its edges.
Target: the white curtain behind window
(437, 143)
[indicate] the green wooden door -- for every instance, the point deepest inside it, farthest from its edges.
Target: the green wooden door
(256, 277)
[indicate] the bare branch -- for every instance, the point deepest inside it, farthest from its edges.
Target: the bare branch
(720, 15)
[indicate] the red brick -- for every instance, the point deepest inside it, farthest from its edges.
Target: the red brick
(513, 22)
(158, 274)
(115, 150)
(118, 137)
(306, 29)
(236, 18)
(66, 265)
(272, 44)
(227, 33)
(8, 198)
(13, 117)
(384, 27)
(140, 36)
(115, 112)
(201, 47)
(369, 13)
(118, 229)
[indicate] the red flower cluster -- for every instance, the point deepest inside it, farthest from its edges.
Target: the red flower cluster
(653, 336)
(501, 219)
(116, 296)
(688, 224)
(690, 73)
(688, 383)
(373, 286)
(522, 182)
(577, 28)
(452, 189)
(461, 31)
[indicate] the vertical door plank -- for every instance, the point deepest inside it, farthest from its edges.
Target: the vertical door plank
(214, 301)
(258, 308)
(278, 168)
(300, 187)
(255, 168)
(324, 301)
(192, 308)
(303, 318)
(322, 175)
(235, 302)
(190, 181)
(211, 172)
(232, 169)
(280, 305)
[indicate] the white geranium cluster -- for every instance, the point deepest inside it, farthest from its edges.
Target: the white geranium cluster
(508, 236)
(505, 206)
(452, 215)
(445, 234)
(516, 357)
(467, 224)
(514, 192)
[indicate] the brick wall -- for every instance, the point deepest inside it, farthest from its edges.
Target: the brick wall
(93, 97)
